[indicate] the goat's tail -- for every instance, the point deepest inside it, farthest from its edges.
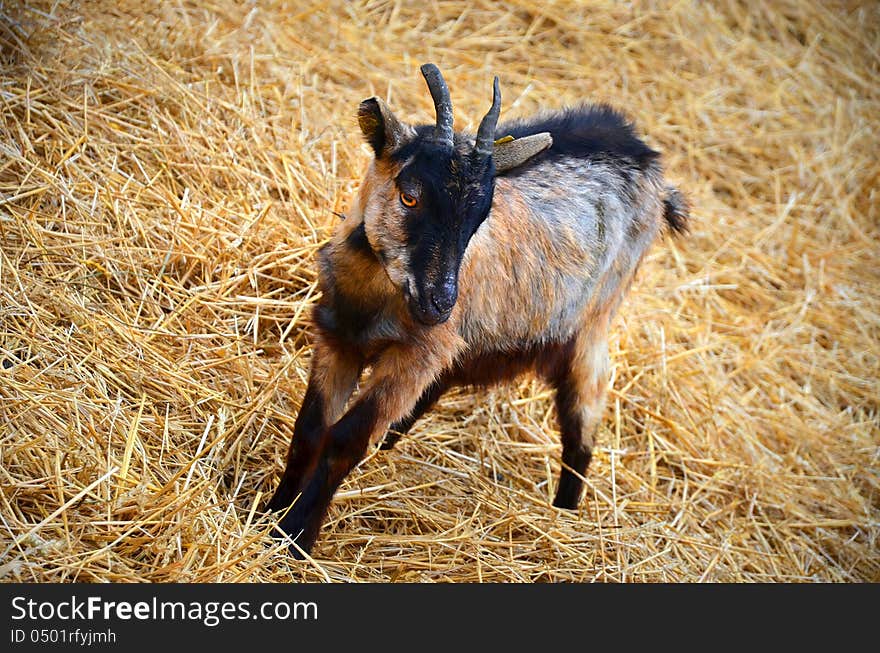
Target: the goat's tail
(676, 211)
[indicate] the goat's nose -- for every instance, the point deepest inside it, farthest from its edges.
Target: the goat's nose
(444, 295)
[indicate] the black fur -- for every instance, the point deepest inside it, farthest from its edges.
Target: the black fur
(676, 211)
(307, 433)
(585, 132)
(357, 241)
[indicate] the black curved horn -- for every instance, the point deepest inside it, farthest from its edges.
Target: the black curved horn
(486, 132)
(442, 103)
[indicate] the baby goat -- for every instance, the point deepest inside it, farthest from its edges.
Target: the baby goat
(467, 261)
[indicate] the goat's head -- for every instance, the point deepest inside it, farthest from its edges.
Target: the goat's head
(427, 192)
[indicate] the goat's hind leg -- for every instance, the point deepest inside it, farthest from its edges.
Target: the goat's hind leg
(581, 387)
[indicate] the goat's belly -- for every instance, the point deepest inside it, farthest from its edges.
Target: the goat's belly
(487, 368)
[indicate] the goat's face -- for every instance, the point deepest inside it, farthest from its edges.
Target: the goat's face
(427, 192)
(420, 210)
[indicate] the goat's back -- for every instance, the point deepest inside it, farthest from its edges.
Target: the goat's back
(566, 232)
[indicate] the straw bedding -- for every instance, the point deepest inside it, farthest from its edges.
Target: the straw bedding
(168, 170)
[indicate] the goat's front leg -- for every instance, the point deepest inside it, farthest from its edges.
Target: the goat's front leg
(332, 380)
(429, 397)
(398, 380)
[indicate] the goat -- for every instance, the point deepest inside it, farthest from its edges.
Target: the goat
(467, 260)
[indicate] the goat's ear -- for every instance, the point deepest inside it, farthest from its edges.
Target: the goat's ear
(508, 153)
(383, 131)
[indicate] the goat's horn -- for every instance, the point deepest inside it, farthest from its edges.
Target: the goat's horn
(442, 103)
(486, 132)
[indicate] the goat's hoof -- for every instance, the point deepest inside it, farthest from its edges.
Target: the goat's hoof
(566, 503)
(294, 528)
(389, 441)
(297, 525)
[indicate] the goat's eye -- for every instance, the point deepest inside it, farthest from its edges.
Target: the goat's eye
(408, 200)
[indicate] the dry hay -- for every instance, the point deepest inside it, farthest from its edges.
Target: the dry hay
(168, 172)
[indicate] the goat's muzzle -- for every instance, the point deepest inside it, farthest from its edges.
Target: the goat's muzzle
(433, 304)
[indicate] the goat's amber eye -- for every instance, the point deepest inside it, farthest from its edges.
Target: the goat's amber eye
(408, 200)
